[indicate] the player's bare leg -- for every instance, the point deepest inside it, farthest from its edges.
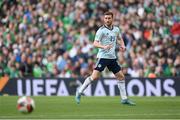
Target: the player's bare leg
(122, 89)
(95, 75)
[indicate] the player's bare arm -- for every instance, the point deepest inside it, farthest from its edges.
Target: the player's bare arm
(98, 45)
(121, 43)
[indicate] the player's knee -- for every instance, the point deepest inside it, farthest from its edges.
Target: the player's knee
(120, 76)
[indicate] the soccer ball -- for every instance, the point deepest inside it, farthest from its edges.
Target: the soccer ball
(25, 104)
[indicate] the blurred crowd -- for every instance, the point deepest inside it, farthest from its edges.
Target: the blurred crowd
(43, 38)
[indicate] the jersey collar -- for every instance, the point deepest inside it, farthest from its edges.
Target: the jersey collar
(108, 27)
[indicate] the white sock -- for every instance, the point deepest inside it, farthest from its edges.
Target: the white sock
(86, 83)
(122, 89)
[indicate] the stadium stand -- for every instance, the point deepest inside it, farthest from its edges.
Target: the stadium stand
(42, 38)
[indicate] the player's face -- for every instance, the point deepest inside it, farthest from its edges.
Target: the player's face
(108, 20)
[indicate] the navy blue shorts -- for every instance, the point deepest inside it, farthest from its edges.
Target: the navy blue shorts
(111, 64)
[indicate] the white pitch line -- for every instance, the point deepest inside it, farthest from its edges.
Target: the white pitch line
(117, 115)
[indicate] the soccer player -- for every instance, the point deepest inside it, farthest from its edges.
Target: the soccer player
(106, 39)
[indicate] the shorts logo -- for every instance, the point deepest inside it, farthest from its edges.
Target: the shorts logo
(99, 65)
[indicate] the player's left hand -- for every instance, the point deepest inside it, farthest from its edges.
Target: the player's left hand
(122, 48)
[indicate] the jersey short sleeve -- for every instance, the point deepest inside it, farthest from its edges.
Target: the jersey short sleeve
(119, 33)
(98, 35)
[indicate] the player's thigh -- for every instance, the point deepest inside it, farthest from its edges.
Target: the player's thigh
(101, 64)
(119, 75)
(95, 74)
(114, 66)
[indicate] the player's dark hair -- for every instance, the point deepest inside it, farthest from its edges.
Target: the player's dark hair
(108, 13)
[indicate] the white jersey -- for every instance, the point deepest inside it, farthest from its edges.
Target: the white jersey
(106, 36)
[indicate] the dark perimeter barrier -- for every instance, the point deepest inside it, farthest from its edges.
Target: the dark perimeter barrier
(103, 87)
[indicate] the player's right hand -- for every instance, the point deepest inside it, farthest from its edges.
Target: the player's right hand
(107, 47)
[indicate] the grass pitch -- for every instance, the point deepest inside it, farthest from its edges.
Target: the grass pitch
(93, 108)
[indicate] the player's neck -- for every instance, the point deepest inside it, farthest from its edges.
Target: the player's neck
(109, 26)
